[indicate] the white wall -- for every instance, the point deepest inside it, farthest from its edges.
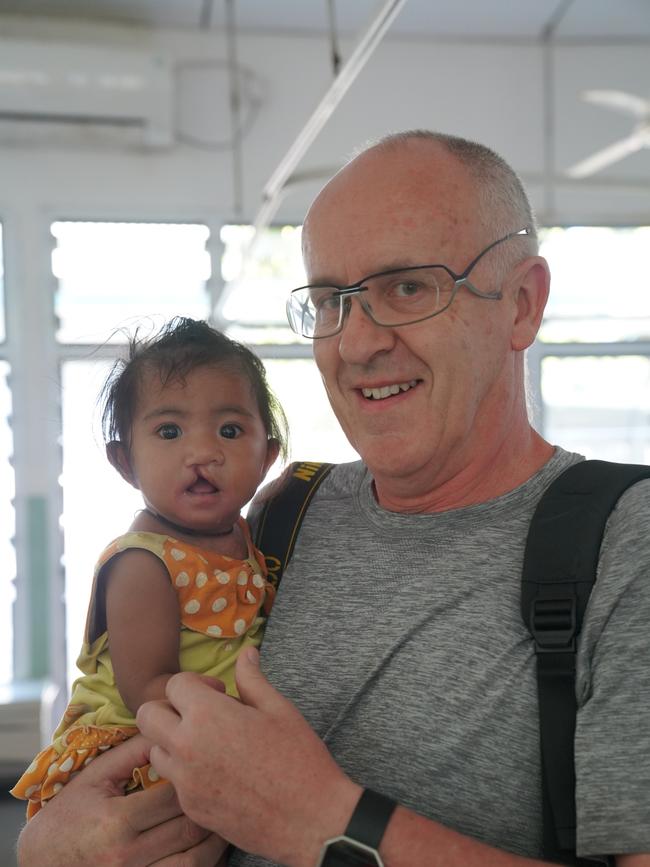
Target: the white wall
(494, 92)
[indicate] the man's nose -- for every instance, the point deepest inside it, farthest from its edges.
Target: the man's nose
(360, 337)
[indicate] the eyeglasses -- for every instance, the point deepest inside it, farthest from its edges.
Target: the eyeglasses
(400, 296)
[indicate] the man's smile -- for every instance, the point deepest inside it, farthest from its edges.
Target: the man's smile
(384, 391)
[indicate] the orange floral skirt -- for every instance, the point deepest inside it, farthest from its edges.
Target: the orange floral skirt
(51, 769)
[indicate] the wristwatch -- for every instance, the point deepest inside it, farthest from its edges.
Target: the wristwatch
(358, 846)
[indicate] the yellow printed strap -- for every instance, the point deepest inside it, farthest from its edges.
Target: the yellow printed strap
(283, 514)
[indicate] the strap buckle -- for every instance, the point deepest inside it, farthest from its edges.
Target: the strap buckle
(553, 624)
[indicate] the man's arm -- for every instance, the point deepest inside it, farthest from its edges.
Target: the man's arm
(222, 754)
(411, 838)
(91, 821)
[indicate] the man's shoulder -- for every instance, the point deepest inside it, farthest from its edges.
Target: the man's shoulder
(341, 481)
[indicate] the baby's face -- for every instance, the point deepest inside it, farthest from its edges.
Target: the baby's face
(199, 448)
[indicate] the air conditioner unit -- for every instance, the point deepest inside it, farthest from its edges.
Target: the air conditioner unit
(42, 82)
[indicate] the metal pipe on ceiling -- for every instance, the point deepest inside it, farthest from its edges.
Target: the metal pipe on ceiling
(274, 188)
(548, 121)
(235, 111)
(272, 192)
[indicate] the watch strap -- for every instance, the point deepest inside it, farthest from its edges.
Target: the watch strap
(370, 817)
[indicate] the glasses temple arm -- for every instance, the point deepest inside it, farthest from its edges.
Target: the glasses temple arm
(526, 231)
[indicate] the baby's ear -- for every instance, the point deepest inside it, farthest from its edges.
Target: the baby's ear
(119, 459)
(272, 451)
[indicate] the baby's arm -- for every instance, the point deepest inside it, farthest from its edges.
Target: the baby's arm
(143, 623)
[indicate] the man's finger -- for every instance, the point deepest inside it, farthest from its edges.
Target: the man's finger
(162, 763)
(254, 689)
(116, 765)
(206, 854)
(213, 682)
(180, 835)
(157, 720)
(148, 808)
(186, 689)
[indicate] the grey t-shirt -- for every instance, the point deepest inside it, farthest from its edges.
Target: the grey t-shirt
(400, 639)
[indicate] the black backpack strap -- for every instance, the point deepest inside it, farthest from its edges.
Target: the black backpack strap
(282, 516)
(560, 564)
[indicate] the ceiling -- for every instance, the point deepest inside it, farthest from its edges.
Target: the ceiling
(480, 19)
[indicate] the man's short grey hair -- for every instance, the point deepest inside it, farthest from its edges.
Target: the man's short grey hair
(502, 202)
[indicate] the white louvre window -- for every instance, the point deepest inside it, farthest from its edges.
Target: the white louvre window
(593, 354)
(114, 276)
(7, 529)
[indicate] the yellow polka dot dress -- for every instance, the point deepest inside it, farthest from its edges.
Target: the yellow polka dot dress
(222, 602)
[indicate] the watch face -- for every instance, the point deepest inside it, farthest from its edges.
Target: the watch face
(347, 853)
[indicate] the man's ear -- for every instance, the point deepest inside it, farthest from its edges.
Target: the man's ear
(272, 451)
(119, 459)
(532, 280)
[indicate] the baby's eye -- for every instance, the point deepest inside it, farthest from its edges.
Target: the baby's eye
(168, 431)
(230, 431)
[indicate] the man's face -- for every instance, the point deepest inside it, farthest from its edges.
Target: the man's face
(450, 378)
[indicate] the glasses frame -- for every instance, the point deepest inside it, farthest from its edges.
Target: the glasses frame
(346, 293)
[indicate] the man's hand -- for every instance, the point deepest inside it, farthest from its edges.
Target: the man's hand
(253, 771)
(92, 822)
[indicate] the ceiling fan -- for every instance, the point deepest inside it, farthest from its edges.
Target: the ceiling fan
(639, 138)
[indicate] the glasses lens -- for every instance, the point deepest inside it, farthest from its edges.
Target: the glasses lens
(393, 298)
(314, 311)
(409, 295)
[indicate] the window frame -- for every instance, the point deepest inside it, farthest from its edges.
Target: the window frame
(39, 615)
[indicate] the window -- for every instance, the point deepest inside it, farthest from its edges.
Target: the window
(98, 504)
(593, 355)
(600, 286)
(3, 330)
(7, 525)
(314, 433)
(592, 362)
(599, 405)
(258, 280)
(114, 275)
(7, 516)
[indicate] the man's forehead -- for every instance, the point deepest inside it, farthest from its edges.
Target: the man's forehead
(399, 183)
(383, 212)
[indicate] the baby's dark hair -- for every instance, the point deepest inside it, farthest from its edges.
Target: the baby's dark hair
(181, 346)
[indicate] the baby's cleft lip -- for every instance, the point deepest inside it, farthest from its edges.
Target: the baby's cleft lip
(202, 485)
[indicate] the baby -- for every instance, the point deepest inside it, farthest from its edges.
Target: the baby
(189, 421)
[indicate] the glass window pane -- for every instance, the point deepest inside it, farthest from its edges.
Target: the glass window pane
(600, 287)
(259, 281)
(598, 406)
(314, 432)
(3, 331)
(7, 530)
(92, 515)
(112, 274)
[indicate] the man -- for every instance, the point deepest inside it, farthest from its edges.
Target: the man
(397, 636)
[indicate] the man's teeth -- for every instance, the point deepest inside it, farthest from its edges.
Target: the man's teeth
(388, 390)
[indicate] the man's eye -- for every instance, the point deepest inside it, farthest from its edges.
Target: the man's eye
(325, 301)
(169, 431)
(230, 431)
(407, 289)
